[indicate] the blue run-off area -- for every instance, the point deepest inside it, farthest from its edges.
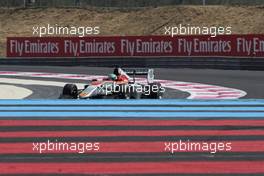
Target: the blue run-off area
(167, 108)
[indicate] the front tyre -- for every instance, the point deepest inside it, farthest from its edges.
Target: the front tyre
(70, 90)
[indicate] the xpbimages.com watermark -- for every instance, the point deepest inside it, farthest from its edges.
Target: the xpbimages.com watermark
(188, 146)
(109, 89)
(50, 30)
(128, 88)
(188, 29)
(56, 146)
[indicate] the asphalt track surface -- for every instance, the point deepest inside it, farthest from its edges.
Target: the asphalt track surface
(249, 81)
(134, 146)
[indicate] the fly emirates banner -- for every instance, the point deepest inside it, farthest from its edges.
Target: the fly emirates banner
(137, 46)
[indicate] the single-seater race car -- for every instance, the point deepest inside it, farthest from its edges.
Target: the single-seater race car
(118, 85)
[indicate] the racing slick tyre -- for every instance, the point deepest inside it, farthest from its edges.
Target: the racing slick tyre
(129, 93)
(136, 95)
(155, 91)
(124, 94)
(70, 90)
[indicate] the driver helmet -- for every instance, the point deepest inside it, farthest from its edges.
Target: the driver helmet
(112, 77)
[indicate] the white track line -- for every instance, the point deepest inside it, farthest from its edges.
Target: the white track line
(34, 82)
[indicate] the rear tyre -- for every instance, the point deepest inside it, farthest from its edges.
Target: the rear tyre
(124, 94)
(136, 95)
(155, 91)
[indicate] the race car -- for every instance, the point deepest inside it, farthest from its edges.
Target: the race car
(118, 85)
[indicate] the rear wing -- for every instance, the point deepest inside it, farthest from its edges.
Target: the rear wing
(140, 71)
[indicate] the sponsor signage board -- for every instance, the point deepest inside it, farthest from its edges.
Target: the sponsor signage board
(137, 46)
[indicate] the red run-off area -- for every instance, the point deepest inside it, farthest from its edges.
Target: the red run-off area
(132, 147)
(138, 46)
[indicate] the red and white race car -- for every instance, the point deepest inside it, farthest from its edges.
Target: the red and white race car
(117, 85)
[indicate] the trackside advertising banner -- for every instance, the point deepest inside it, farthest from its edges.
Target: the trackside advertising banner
(138, 46)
